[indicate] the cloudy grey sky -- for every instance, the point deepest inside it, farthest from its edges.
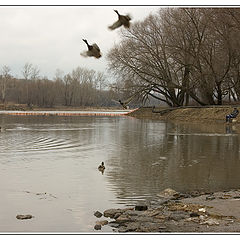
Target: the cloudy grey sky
(51, 37)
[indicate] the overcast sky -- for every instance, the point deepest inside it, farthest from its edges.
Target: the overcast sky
(51, 37)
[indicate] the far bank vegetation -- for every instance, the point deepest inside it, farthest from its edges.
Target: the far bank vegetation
(81, 87)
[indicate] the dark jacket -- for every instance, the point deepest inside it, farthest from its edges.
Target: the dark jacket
(234, 113)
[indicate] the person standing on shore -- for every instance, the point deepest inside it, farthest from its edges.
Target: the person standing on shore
(234, 114)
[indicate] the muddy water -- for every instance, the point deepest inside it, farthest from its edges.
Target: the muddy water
(48, 166)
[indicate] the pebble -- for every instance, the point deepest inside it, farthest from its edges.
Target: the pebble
(210, 198)
(194, 214)
(178, 215)
(210, 222)
(141, 208)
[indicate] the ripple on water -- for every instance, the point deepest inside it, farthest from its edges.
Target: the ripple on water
(26, 140)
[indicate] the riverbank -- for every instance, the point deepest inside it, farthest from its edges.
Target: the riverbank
(174, 212)
(191, 114)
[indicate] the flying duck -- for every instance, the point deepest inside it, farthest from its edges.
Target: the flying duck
(123, 104)
(122, 20)
(93, 50)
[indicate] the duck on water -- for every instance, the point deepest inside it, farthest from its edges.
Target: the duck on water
(101, 167)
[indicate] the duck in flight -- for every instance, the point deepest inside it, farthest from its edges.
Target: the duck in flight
(122, 20)
(93, 50)
(123, 104)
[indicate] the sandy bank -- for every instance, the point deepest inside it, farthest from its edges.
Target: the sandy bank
(196, 114)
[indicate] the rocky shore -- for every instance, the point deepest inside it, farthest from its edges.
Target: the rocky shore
(173, 212)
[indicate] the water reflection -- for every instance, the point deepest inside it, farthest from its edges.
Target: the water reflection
(155, 155)
(60, 156)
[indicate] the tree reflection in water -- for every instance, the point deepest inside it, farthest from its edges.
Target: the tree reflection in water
(153, 155)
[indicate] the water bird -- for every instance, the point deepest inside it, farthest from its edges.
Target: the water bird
(101, 167)
(93, 50)
(123, 104)
(122, 20)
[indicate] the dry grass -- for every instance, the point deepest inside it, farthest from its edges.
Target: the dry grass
(208, 114)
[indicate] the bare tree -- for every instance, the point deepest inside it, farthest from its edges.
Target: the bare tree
(180, 53)
(35, 71)
(4, 79)
(144, 62)
(27, 71)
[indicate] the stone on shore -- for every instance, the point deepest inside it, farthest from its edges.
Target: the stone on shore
(112, 212)
(23, 217)
(102, 223)
(141, 208)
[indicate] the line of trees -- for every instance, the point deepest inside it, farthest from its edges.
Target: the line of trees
(81, 87)
(181, 56)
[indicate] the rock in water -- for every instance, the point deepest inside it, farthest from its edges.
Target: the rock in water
(98, 214)
(97, 227)
(23, 217)
(141, 208)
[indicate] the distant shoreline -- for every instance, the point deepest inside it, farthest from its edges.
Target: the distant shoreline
(24, 107)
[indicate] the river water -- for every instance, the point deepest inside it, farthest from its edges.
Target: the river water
(48, 166)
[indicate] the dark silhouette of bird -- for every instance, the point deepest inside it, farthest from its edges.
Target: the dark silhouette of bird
(101, 167)
(93, 50)
(123, 104)
(122, 20)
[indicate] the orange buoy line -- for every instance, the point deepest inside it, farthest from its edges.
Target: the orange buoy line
(131, 111)
(52, 113)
